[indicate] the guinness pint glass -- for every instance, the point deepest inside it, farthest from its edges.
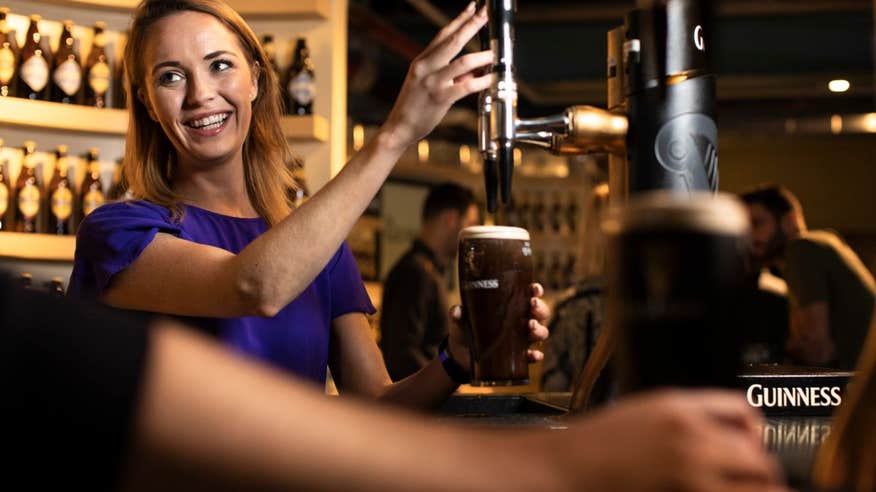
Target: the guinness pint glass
(676, 264)
(495, 271)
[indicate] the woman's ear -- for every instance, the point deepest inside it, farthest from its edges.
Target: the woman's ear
(256, 75)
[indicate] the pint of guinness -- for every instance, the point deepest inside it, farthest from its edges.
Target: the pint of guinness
(495, 271)
(676, 265)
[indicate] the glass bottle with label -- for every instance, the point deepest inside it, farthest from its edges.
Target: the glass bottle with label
(91, 193)
(8, 56)
(59, 196)
(97, 70)
(5, 192)
(28, 197)
(33, 68)
(67, 74)
(300, 81)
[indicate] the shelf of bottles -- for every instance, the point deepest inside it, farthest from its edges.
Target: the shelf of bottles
(42, 87)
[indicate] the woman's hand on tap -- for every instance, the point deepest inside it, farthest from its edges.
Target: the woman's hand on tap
(437, 79)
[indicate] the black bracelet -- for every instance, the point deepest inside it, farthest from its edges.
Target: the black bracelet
(454, 370)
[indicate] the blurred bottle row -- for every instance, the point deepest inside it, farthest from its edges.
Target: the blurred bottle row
(542, 212)
(30, 69)
(298, 80)
(33, 71)
(45, 196)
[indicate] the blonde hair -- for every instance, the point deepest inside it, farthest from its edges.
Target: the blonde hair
(149, 154)
(847, 459)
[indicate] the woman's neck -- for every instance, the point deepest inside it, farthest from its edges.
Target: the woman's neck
(220, 188)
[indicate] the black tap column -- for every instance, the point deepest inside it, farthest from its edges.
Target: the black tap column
(672, 142)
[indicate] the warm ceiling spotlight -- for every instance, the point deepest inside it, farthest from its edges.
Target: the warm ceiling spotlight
(838, 85)
(870, 122)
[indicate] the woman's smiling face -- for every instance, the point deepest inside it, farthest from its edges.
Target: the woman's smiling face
(199, 86)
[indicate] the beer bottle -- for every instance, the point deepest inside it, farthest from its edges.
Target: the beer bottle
(8, 56)
(300, 86)
(572, 213)
(5, 192)
(27, 192)
(97, 70)
(67, 75)
(59, 196)
(33, 68)
(91, 193)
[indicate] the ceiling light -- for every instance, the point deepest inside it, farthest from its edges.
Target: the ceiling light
(870, 122)
(838, 85)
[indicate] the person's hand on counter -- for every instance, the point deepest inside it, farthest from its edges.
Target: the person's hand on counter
(703, 440)
(538, 331)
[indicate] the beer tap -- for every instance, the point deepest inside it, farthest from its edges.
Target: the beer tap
(659, 129)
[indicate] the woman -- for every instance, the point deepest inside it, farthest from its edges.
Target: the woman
(211, 236)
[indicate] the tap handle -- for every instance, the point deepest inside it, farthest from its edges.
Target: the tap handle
(505, 163)
(491, 183)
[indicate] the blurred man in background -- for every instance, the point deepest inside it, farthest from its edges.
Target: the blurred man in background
(831, 292)
(413, 319)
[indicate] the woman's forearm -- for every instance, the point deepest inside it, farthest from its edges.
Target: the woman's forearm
(280, 264)
(426, 389)
(242, 427)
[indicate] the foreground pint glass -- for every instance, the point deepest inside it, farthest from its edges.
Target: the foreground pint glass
(676, 269)
(495, 271)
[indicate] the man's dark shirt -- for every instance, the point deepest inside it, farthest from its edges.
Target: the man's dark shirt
(69, 379)
(413, 318)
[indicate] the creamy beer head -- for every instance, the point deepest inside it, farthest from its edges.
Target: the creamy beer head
(494, 232)
(676, 265)
(702, 211)
(495, 272)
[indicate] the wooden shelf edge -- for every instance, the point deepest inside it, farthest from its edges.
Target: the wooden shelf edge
(297, 9)
(306, 128)
(37, 246)
(68, 117)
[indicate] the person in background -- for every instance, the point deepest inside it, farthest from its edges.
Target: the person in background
(578, 317)
(211, 235)
(93, 400)
(413, 318)
(831, 293)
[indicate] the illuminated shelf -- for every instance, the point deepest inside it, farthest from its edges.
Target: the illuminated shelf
(83, 119)
(37, 246)
(69, 117)
(313, 127)
(289, 9)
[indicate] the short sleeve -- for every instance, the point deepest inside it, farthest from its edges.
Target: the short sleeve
(348, 294)
(110, 239)
(806, 273)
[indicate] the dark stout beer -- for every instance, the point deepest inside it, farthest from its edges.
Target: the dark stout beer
(676, 265)
(495, 271)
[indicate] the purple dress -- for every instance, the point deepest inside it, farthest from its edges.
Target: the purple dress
(296, 339)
